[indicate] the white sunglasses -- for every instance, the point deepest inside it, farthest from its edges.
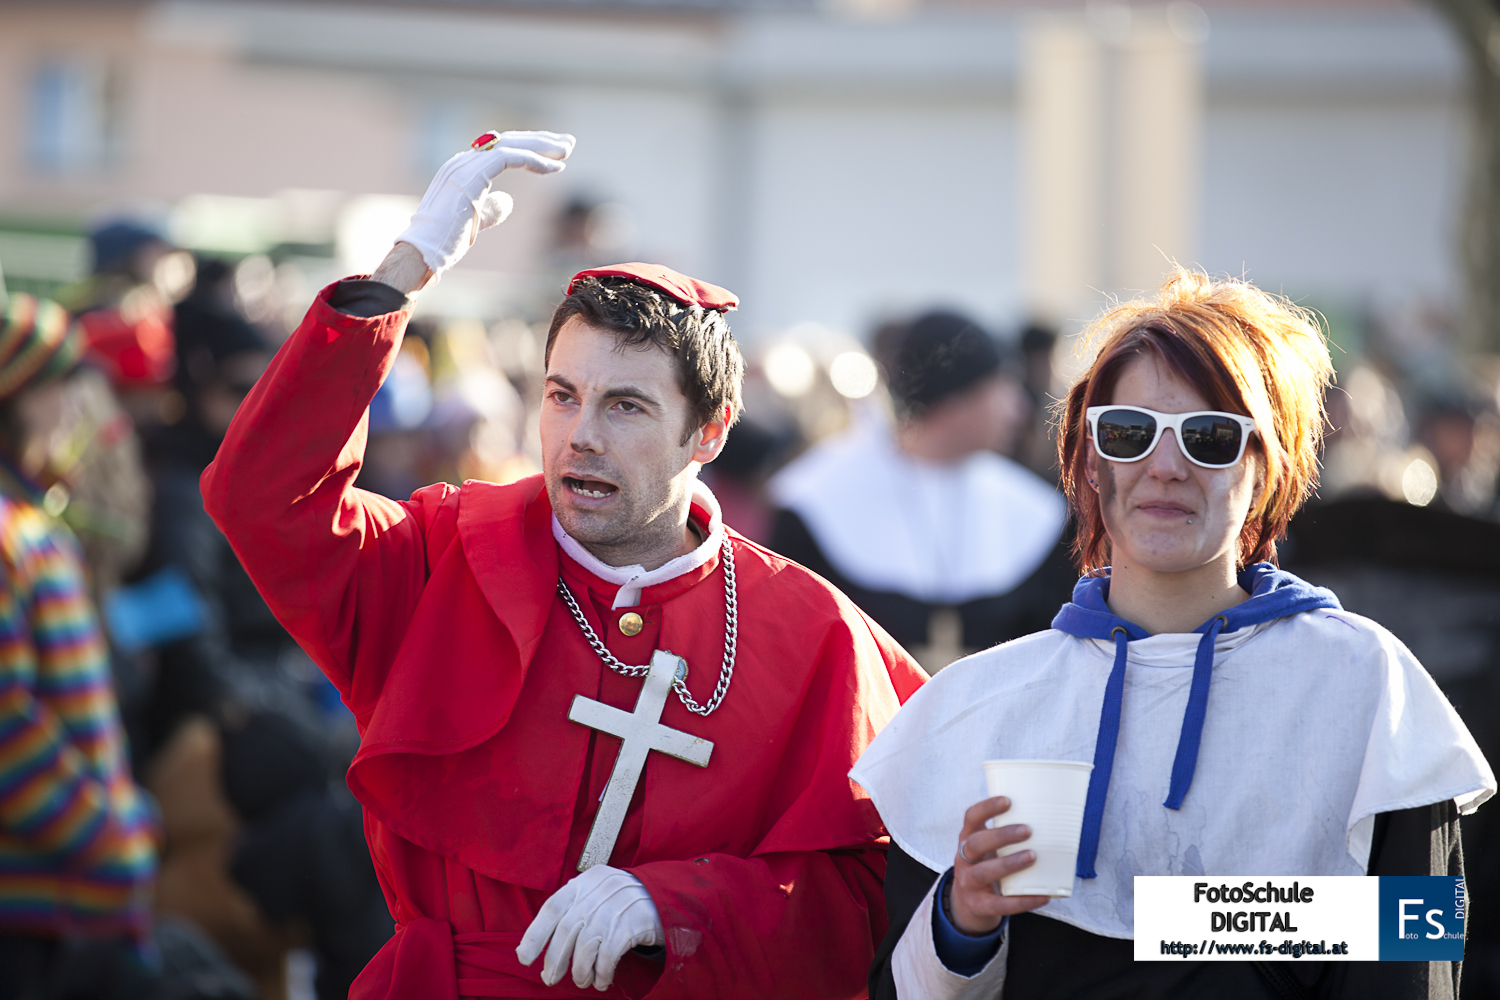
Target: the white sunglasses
(1210, 438)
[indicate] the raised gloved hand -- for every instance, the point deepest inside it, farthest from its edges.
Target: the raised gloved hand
(593, 920)
(459, 204)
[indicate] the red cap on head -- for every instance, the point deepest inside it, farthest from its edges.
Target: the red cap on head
(689, 291)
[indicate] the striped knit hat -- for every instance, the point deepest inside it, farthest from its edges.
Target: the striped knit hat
(37, 342)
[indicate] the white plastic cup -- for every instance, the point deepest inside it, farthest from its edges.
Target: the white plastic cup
(1048, 796)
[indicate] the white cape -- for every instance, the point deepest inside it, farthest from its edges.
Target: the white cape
(939, 533)
(1316, 723)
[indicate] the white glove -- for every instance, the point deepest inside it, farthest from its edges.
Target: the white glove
(459, 204)
(594, 920)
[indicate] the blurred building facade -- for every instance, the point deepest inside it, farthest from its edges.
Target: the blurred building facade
(832, 162)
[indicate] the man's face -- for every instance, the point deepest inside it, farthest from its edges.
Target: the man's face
(617, 470)
(989, 414)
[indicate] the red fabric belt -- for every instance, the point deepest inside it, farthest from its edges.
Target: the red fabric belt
(431, 962)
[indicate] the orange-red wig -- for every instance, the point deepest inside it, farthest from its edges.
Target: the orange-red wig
(1246, 351)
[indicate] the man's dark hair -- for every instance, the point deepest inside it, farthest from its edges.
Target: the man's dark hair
(935, 356)
(709, 366)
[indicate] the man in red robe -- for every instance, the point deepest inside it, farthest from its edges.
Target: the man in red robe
(490, 641)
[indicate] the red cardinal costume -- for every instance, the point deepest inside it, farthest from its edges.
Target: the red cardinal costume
(440, 622)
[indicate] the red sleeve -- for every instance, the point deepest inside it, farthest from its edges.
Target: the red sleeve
(796, 924)
(341, 568)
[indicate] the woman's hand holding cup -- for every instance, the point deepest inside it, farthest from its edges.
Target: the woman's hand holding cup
(975, 905)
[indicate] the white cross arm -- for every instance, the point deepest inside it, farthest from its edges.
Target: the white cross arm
(617, 722)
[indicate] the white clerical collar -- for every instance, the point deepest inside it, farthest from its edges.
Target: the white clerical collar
(633, 579)
(945, 534)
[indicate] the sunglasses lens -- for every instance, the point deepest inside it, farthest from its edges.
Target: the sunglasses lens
(1212, 440)
(1124, 434)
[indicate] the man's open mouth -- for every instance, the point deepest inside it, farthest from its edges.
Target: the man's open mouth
(594, 488)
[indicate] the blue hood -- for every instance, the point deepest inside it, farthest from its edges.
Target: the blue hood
(1274, 593)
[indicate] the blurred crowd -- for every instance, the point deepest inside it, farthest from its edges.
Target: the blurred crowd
(913, 467)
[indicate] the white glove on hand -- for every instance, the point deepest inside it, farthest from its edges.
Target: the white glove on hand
(459, 204)
(594, 920)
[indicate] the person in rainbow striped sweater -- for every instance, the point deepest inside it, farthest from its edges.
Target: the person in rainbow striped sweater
(77, 837)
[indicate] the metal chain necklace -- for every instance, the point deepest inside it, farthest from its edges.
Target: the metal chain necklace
(731, 641)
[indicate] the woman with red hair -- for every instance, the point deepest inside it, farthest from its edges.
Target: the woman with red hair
(1239, 721)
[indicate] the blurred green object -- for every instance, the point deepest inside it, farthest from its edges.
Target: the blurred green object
(42, 262)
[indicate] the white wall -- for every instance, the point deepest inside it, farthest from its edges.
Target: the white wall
(862, 210)
(827, 170)
(1334, 156)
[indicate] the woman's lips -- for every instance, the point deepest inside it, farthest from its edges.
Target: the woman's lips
(1163, 510)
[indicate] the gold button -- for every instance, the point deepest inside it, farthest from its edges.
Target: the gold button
(631, 623)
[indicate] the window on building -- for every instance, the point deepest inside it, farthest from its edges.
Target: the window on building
(73, 121)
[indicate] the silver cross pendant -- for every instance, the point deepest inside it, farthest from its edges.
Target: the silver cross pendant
(642, 732)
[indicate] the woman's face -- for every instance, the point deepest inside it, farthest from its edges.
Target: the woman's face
(1165, 513)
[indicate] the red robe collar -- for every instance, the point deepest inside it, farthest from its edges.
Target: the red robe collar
(506, 540)
(495, 523)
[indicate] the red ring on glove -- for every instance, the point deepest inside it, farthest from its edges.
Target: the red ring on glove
(486, 141)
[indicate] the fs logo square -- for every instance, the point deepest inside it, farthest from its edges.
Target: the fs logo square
(1422, 918)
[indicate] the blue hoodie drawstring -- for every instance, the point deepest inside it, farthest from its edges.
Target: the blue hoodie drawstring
(1104, 756)
(1273, 594)
(1186, 760)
